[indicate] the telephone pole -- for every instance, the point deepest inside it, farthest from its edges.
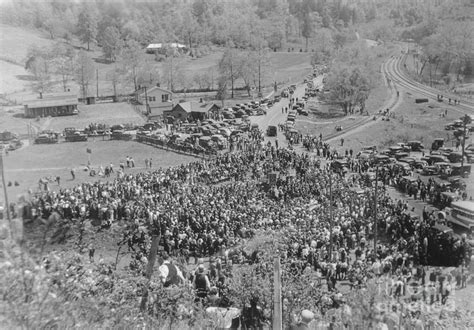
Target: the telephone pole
(466, 120)
(330, 216)
(375, 210)
(7, 205)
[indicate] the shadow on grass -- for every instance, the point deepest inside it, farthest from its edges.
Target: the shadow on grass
(102, 60)
(25, 77)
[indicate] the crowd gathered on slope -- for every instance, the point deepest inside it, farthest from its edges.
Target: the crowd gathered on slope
(209, 208)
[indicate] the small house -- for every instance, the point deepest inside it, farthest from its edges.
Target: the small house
(192, 111)
(156, 99)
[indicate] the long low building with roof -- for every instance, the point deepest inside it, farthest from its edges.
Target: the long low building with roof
(54, 104)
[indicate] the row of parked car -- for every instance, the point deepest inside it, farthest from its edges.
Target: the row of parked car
(210, 136)
(115, 132)
(252, 108)
(444, 161)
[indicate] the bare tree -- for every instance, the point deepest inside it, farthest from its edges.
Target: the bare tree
(84, 72)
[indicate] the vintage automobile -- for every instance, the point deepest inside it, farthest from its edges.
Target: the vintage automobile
(272, 131)
(415, 145)
(121, 135)
(46, 138)
(74, 135)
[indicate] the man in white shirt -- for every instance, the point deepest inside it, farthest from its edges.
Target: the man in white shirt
(169, 273)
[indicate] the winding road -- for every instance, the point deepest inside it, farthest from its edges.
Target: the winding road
(394, 71)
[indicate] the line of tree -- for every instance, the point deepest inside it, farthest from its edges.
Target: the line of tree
(447, 51)
(252, 66)
(200, 22)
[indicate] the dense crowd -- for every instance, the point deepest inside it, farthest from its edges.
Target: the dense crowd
(199, 215)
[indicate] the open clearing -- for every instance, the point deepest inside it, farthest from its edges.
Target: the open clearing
(29, 164)
(412, 122)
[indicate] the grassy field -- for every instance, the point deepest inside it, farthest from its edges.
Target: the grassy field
(412, 122)
(107, 113)
(29, 164)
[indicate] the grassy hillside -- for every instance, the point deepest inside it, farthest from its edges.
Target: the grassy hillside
(15, 81)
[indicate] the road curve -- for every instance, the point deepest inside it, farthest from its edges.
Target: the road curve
(395, 73)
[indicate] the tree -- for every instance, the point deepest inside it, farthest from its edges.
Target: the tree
(133, 59)
(111, 42)
(84, 72)
(324, 47)
(222, 90)
(40, 69)
(189, 29)
(228, 67)
(87, 26)
(172, 68)
(247, 68)
(63, 63)
(350, 87)
(115, 76)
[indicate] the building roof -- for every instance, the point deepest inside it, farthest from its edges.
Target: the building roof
(151, 89)
(53, 100)
(195, 106)
(161, 45)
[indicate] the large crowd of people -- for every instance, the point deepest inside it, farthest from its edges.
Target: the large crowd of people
(209, 208)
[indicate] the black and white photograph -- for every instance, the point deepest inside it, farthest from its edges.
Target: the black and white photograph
(237, 164)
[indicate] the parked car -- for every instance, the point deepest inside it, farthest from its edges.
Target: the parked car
(74, 135)
(415, 145)
(429, 170)
(437, 143)
(47, 139)
(433, 159)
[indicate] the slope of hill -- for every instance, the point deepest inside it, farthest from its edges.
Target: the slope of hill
(14, 43)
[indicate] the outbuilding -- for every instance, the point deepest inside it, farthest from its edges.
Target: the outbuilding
(55, 104)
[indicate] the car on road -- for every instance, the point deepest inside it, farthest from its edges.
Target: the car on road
(429, 170)
(272, 131)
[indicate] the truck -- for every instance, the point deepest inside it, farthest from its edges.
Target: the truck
(461, 213)
(47, 138)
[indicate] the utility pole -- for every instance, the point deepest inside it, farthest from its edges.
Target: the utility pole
(375, 210)
(330, 216)
(7, 205)
(146, 102)
(97, 81)
(466, 120)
